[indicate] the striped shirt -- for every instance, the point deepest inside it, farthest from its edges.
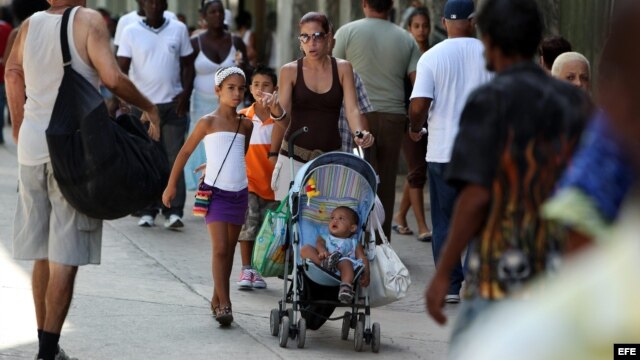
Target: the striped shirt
(259, 168)
(363, 104)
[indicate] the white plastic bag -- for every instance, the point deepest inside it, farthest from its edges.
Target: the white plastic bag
(389, 278)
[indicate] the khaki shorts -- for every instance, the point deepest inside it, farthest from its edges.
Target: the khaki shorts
(255, 216)
(47, 227)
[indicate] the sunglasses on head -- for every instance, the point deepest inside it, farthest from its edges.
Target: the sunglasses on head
(304, 38)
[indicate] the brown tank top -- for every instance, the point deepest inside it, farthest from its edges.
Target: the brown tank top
(319, 112)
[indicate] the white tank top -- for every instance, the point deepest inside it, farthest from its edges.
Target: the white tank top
(233, 176)
(205, 80)
(42, 64)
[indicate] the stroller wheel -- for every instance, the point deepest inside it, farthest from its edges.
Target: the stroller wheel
(284, 331)
(346, 325)
(358, 336)
(302, 332)
(274, 322)
(375, 337)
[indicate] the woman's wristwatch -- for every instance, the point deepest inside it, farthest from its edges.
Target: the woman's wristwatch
(272, 153)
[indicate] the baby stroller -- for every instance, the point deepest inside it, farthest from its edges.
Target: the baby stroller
(341, 179)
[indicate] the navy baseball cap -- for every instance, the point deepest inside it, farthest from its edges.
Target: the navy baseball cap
(459, 10)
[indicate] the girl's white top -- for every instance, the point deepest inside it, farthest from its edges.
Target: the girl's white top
(233, 176)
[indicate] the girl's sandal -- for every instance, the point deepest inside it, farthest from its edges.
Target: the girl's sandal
(215, 309)
(224, 315)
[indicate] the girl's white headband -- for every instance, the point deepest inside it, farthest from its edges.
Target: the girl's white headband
(226, 72)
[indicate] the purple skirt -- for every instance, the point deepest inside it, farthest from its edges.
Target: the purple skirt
(227, 206)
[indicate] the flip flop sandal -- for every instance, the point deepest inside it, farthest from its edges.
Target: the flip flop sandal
(426, 237)
(402, 230)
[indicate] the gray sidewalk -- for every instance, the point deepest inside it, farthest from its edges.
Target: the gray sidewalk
(149, 299)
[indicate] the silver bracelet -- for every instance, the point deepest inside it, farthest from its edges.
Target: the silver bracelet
(278, 118)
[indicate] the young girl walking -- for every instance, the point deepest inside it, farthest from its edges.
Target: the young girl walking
(225, 135)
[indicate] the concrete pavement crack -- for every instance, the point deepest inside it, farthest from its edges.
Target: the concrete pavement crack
(135, 300)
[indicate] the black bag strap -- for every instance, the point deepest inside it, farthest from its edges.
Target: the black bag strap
(240, 117)
(64, 39)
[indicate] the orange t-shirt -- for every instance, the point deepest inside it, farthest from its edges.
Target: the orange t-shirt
(259, 168)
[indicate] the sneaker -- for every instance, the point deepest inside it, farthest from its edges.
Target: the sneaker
(246, 275)
(173, 222)
(61, 355)
(331, 262)
(452, 299)
(346, 293)
(257, 281)
(146, 221)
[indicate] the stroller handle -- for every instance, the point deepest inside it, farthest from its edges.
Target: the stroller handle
(294, 136)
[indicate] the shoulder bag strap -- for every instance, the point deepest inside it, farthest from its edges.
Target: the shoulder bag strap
(64, 39)
(229, 150)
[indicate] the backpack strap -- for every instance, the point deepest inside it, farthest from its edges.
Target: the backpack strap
(64, 39)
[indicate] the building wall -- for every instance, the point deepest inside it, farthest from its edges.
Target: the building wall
(582, 22)
(585, 24)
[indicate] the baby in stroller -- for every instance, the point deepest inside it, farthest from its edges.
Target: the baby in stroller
(340, 251)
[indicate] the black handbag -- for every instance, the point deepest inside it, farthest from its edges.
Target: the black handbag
(105, 168)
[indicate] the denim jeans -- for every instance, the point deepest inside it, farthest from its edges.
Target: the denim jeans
(443, 198)
(469, 311)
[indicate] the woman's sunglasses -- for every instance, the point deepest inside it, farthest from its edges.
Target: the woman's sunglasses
(304, 38)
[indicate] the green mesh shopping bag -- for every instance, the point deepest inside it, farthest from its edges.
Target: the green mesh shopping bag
(269, 250)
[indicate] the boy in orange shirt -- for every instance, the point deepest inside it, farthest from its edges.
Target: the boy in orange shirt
(260, 159)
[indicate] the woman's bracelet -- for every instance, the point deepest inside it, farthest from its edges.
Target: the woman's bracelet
(278, 118)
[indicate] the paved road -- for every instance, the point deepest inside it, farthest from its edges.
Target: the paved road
(149, 300)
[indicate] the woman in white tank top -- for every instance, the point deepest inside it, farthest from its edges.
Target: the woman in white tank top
(214, 49)
(226, 139)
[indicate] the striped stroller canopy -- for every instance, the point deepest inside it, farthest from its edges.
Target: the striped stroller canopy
(340, 179)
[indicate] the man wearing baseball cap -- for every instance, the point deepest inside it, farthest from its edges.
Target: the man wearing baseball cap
(445, 76)
(459, 10)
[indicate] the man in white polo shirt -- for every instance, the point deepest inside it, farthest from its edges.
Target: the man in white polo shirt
(445, 77)
(158, 51)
